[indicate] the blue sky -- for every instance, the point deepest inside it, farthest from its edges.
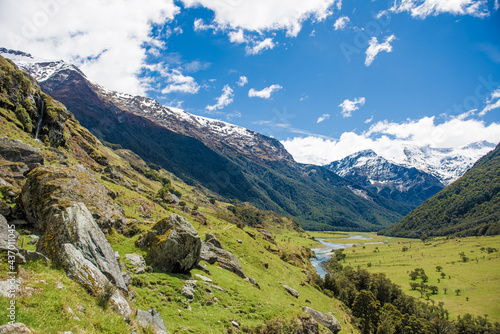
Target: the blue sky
(326, 77)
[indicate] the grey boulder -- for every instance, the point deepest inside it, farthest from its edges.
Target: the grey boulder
(151, 318)
(173, 243)
(75, 226)
(211, 252)
(327, 320)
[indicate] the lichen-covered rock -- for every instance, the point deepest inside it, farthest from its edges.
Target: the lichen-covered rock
(189, 289)
(75, 226)
(151, 318)
(91, 278)
(16, 151)
(48, 186)
(212, 239)
(136, 260)
(173, 243)
(172, 199)
(17, 328)
(327, 320)
(211, 252)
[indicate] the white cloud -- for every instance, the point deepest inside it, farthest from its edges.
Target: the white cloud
(423, 8)
(388, 139)
(369, 120)
(265, 93)
(224, 100)
(341, 23)
(323, 118)
(266, 15)
(237, 37)
(260, 46)
(242, 81)
(349, 106)
(492, 103)
(374, 48)
(105, 38)
(179, 83)
(199, 25)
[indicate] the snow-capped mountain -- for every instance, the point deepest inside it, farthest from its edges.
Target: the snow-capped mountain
(447, 164)
(407, 185)
(413, 175)
(216, 134)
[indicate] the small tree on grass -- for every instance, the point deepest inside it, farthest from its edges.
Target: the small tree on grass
(438, 268)
(443, 275)
(434, 289)
(458, 291)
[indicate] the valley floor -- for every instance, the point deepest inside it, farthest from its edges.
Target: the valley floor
(477, 278)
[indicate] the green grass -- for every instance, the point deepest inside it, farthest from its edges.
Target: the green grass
(478, 279)
(243, 303)
(42, 306)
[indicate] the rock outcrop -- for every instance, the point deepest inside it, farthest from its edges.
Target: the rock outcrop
(173, 243)
(212, 251)
(151, 318)
(76, 227)
(17, 328)
(91, 278)
(327, 320)
(16, 151)
(8, 241)
(49, 186)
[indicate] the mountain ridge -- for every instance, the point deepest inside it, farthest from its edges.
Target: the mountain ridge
(317, 198)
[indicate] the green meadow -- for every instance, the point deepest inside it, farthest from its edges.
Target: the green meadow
(470, 265)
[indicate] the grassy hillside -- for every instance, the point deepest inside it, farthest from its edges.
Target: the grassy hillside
(469, 206)
(49, 302)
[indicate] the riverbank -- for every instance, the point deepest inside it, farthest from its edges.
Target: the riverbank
(328, 242)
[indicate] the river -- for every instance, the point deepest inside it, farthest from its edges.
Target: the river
(323, 254)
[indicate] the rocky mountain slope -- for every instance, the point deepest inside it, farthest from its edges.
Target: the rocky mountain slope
(446, 164)
(88, 225)
(408, 185)
(469, 206)
(229, 161)
(411, 175)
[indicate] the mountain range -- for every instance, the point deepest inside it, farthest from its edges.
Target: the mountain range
(232, 162)
(413, 175)
(226, 160)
